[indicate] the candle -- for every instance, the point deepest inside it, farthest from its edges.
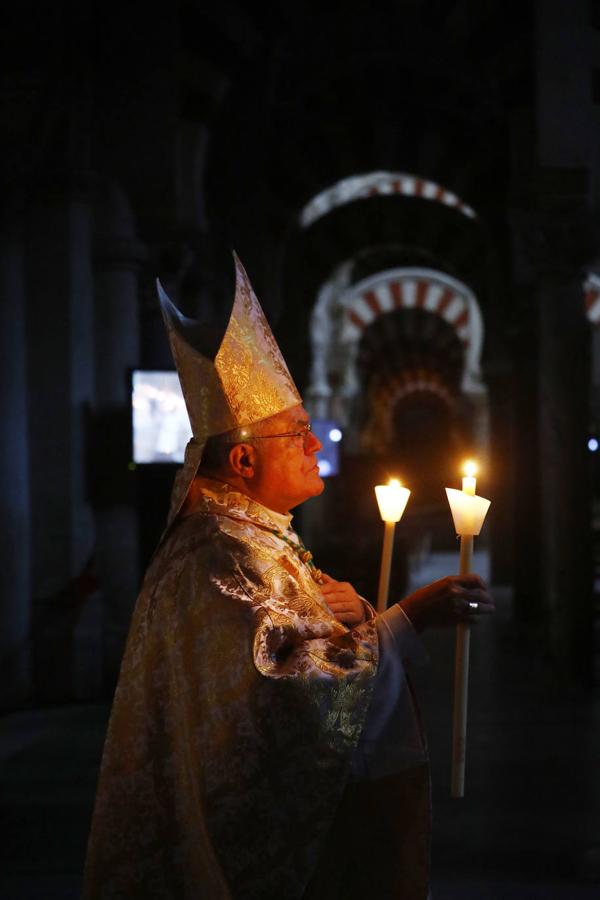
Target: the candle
(469, 482)
(468, 513)
(391, 500)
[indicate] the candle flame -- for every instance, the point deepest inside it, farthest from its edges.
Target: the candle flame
(470, 468)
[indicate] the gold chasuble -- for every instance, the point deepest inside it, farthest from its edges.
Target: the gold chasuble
(239, 704)
(241, 699)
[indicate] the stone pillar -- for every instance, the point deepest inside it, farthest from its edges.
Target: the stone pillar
(497, 481)
(560, 240)
(526, 528)
(565, 506)
(60, 381)
(15, 587)
(118, 257)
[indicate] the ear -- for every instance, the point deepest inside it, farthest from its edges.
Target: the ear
(242, 459)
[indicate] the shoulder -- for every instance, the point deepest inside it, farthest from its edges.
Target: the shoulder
(224, 556)
(214, 543)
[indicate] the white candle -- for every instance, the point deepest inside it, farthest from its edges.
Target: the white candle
(391, 499)
(468, 513)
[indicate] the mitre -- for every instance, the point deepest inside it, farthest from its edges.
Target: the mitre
(247, 381)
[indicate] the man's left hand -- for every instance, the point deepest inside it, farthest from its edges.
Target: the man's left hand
(343, 601)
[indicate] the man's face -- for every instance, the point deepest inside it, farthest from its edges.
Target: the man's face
(286, 467)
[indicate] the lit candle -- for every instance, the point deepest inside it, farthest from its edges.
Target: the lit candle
(469, 482)
(391, 499)
(468, 513)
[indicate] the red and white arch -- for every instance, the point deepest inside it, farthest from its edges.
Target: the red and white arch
(361, 187)
(408, 293)
(417, 381)
(385, 397)
(425, 289)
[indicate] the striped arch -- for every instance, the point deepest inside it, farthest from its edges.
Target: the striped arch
(377, 433)
(360, 187)
(424, 289)
(413, 382)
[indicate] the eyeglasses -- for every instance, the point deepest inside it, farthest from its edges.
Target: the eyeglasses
(303, 433)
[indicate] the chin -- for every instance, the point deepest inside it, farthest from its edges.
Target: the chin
(313, 489)
(319, 485)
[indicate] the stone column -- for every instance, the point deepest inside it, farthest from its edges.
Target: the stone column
(565, 506)
(15, 583)
(60, 381)
(118, 257)
(560, 240)
(497, 482)
(526, 520)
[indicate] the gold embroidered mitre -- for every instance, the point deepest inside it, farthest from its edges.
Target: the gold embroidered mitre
(247, 381)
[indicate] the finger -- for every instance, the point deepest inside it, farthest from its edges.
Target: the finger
(341, 603)
(331, 589)
(336, 588)
(479, 595)
(470, 581)
(330, 585)
(474, 607)
(484, 600)
(348, 611)
(327, 578)
(342, 606)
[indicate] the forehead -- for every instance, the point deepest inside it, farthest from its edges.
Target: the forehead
(297, 415)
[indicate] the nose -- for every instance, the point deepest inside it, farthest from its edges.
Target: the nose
(312, 444)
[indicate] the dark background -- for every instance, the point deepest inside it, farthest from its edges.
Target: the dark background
(140, 141)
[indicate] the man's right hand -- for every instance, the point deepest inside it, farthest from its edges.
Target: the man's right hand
(448, 601)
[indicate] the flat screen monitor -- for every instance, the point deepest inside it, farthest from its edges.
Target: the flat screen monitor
(160, 423)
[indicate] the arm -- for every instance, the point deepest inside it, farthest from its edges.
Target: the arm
(443, 603)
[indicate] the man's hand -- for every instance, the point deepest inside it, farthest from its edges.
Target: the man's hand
(449, 601)
(343, 601)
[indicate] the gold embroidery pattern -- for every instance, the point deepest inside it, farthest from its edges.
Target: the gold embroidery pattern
(239, 703)
(253, 373)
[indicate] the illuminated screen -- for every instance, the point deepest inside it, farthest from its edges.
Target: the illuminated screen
(161, 427)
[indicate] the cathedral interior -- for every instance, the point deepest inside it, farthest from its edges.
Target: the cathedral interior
(414, 189)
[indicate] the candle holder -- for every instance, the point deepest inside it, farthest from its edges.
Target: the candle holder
(391, 500)
(468, 513)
